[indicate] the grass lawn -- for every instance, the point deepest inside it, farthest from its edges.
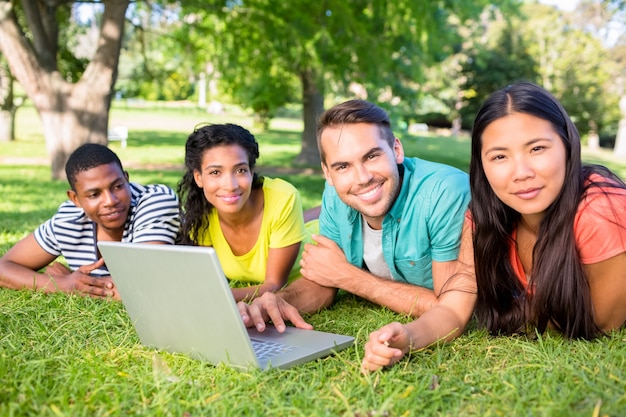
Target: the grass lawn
(65, 355)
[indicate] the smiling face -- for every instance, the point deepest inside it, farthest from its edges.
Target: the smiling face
(104, 194)
(225, 177)
(524, 161)
(362, 167)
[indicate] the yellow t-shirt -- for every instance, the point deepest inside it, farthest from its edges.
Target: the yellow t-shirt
(282, 225)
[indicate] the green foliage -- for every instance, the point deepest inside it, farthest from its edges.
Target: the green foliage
(502, 60)
(176, 87)
(449, 83)
(574, 66)
(166, 87)
(264, 55)
(74, 49)
(156, 62)
(7, 94)
(538, 43)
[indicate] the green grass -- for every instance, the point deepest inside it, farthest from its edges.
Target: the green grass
(64, 355)
(69, 355)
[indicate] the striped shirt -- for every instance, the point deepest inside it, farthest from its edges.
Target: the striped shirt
(153, 217)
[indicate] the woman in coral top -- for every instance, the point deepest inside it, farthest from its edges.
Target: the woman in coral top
(545, 235)
(255, 224)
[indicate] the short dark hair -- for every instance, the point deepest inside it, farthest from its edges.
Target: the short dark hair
(352, 112)
(86, 157)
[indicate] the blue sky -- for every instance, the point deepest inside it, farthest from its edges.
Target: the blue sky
(561, 4)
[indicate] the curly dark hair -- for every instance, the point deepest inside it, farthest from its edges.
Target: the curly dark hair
(194, 205)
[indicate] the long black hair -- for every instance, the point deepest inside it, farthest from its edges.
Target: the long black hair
(559, 292)
(194, 205)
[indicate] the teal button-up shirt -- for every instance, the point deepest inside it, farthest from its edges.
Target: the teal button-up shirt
(423, 225)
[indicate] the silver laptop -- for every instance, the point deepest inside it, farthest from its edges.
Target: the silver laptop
(179, 300)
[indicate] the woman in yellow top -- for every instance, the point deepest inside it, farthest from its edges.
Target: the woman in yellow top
(255, 224)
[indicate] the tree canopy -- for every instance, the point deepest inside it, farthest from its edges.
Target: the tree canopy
(272, 52)
(421, 60)
(71, 112)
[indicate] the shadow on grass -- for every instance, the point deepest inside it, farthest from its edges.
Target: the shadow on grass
(169, 177)
(279, 137)
(451, 150)
(30, 197)
(277, 148)
(166, 138)
(143, 138)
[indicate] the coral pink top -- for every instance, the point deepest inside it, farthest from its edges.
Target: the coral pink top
(599, 227)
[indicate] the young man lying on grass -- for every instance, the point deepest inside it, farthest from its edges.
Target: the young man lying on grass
(389, 225)
(102, 205)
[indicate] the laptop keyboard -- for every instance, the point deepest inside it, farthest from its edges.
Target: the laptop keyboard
(265, 349)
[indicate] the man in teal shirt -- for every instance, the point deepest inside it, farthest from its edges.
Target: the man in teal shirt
(422, 226)
(390, 226)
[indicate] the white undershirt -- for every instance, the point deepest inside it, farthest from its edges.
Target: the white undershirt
(373, 252)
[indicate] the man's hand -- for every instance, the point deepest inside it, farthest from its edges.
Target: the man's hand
(385, 347)
(57, 269)
(270, 307)
(63, 279)
(320, 262)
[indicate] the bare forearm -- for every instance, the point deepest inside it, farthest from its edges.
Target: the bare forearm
(439, 324)
(17, 277)
(249, 293)
(307, 296)
(399, 297)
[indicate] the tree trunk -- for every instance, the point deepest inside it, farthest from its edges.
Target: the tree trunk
(312, 107)
(71, 114)
(619, 149)
(7, 113)
(6, 126)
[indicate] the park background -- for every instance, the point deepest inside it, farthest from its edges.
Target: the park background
(428, 63)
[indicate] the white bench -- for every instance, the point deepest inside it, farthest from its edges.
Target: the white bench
(118, 133)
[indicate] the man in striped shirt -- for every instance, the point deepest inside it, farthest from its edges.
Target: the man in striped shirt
(102, 205)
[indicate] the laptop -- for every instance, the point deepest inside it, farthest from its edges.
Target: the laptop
(179, 300)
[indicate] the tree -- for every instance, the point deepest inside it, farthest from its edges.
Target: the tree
(499, 57)
(487, 55)
(605, 19)
(382, 45)
(7, 103)
(72, 113)
(10, 101)
(156, 61)
(573, 65)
